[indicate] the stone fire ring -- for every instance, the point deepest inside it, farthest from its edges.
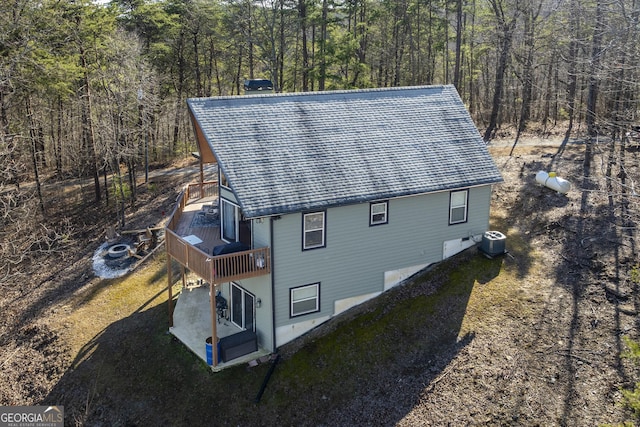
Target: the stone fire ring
(119, 250)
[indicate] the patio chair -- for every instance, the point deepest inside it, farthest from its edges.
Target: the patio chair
(221, 306)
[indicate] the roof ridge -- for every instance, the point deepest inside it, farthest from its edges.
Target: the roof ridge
(325, 92)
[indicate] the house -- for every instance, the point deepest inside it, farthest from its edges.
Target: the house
(332, 198)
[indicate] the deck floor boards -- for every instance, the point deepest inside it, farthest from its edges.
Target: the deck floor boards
(209, 234)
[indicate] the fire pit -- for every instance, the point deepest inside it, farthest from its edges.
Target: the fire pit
(112, 260)
(119, 250)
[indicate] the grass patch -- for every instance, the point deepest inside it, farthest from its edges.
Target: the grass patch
(129, 367)
(409, 321)
(95, 306)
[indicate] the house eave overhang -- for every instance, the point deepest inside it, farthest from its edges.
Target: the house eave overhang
(205, 154)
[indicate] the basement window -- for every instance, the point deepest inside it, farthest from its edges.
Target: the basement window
(305, 299)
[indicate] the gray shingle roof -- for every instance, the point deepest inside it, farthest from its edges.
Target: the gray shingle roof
(284, 153)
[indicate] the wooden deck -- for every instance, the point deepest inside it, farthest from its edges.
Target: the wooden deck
(195, 221)
(192, 233)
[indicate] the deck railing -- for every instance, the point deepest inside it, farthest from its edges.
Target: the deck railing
(191, 191)
(241, 265)
(214, 269)
(198, 191)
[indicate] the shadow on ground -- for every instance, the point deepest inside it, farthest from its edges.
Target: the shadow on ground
(588, 236)
(135, 373)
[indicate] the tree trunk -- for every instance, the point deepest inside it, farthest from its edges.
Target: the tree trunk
(87, 126)
(239, 70)
(527, 73)
(56, 136)
(472, 64)
(498, 88)
(250, 39)
(456, 70)
(323, 47)
(302, 15)
(596, 52)
(179, 90)
(280, 82)
(400, 17)
(572, 75)
(196, 65)
(362, 37)
(213, 58)
(131, 172)
(505, 39)
(120, 189)
(547, 97)
(105, 180)
(431, 61)
(33, 136)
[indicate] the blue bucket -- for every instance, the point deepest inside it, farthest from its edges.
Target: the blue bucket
(209, 352)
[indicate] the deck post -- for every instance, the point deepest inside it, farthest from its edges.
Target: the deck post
(214, 326)
(201, 178)
(170, 286)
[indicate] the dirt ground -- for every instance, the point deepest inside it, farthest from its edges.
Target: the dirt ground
(551, 355)
(559, 362)
(552, 360)
(33, 355)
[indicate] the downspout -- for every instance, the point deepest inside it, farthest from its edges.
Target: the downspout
(273, 290)
(214, 326)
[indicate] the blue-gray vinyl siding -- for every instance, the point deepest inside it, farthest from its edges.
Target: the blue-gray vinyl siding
(357, 254)
(260, 287)
(260, 229)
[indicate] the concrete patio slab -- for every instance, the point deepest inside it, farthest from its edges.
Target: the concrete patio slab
(192, 325)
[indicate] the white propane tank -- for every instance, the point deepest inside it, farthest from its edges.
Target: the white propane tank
(553, 182)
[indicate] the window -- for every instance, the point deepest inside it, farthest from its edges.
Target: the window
(305, 299)
(242, 308)
(313, 225)
(229, 221)
(378, 213)
(458, 206)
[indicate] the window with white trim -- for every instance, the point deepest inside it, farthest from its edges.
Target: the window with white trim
(230, 214)
(313, 225)
(305, 299)
(458, 206)
(378, 213)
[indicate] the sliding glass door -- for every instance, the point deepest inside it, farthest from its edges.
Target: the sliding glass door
(242, 308)
(229, 221)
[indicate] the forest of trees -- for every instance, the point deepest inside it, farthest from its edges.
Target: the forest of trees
(95, 90)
